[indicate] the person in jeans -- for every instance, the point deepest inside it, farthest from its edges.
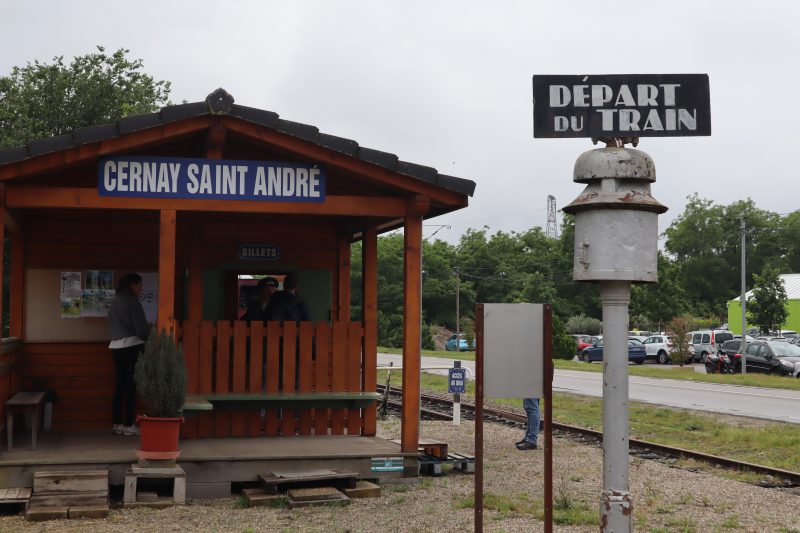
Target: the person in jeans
(129, 330)
(528, 442)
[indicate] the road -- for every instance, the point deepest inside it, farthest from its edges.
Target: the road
(771, 404)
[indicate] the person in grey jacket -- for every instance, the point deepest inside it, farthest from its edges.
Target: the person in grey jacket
(129, 331)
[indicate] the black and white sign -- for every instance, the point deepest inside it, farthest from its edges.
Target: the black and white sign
(621, 105)
(457, 381)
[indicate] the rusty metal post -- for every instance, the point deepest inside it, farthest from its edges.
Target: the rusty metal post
(479, 419)
(548, 417)
(616, 237)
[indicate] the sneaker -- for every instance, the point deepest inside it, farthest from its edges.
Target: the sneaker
(527, 446)
(117, 429)
(130, 431)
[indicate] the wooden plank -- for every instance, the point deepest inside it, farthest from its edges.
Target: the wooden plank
(257, 364)
(2, 244)
(25, 197)
(412, 271)
(63, 481)
(17, 287)
(195, 296)
(321, 369)
(354, 422)
(222, 421)
(343, 308)
(191, 354)
(239, 371)
(305, 371)
(369, 306)
(166, 271)
(274, 331)
(339, 373)
(205, 376)
(289, 354)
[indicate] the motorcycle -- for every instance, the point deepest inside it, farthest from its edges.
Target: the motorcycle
(720, 363)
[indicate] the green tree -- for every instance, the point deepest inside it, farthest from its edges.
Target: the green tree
(678, 329)
(658, 303)
(48, 99)
(563, 344)
(584, 324)
(767, 307)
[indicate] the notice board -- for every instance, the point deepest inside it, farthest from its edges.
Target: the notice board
(513, 348)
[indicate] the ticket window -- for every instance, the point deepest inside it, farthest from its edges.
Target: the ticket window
(247, 290)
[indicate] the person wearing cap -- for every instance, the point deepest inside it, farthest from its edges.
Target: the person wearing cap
(256, 311)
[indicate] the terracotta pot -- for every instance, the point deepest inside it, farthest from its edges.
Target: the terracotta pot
(159, 437)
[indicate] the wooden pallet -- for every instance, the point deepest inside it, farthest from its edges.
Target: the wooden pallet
(272, 482)
(432, 466)
(133, 497)
(15, 495)
(316, 496)
(68, 494)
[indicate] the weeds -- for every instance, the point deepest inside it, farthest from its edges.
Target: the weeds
(732, 522)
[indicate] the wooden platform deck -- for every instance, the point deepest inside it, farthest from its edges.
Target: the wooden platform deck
(211, 465)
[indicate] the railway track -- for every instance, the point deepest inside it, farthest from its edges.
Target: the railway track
(440, 407)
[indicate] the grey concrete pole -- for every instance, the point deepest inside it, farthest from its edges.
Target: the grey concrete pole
(743, 348)
(616, 503)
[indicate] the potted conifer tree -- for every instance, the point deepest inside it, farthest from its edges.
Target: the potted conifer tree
(160, 378)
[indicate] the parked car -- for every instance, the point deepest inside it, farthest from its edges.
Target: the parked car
(705, 341)
(771, 357)
(462, 346)
(789, 334)
(636, 352)
(587, 341)
(658, 348)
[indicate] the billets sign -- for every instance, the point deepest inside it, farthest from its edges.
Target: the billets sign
(621, 105)
(203, 179)
(259, 252)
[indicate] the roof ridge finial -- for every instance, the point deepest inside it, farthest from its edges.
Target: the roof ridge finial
(219, 102)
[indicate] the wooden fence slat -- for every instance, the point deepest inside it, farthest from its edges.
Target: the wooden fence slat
(239, 375)
(370, 376)
(354, 421)
(321, 382)
(339, 374)
(289, 384)
(257, 363)
(205, 381)
(273, 373)
(222, 421)
(305, 371)
(190, 333)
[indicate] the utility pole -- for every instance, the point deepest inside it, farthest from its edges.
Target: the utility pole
(743, 347)
(458, 310)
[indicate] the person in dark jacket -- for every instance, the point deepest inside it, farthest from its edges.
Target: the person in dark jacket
(129, 331)
(256, 310)
(286, 304)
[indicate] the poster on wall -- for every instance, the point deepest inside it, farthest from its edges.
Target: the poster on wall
(95, 302)
(100, 279)
(70, 295)
(149, 295)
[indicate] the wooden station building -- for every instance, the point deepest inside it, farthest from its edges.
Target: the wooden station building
(59, 216)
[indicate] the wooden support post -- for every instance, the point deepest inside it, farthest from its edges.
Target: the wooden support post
(344, 279)
(16, 320)
(195, 304)
(2, 241)
(166, 272)
(369, 312)
(412, 300)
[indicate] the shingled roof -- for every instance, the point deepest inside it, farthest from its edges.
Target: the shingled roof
(220, 102)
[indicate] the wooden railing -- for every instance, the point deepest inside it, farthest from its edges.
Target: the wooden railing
(10, 348)
(237, 357)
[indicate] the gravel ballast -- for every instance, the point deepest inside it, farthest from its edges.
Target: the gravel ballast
(666, 499)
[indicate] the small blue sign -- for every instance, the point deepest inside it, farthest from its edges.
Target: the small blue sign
(205, 179)
(457, 381)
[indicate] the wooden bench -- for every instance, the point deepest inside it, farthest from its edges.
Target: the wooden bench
(281, 400)
(24, 402)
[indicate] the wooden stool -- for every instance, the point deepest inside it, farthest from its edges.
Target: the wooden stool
(131, 496)
(25, 402)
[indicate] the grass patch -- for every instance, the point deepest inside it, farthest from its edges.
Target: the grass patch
(504, 504)
(732, 522)
(464, 356)
(769, 444)
(682, 525)
(688, 374)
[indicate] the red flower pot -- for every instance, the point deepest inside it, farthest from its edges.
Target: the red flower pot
(159, 437)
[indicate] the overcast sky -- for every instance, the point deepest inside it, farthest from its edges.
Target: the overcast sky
(448, 84)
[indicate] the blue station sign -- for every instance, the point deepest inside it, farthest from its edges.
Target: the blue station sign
(456, 381)
(204, 179)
